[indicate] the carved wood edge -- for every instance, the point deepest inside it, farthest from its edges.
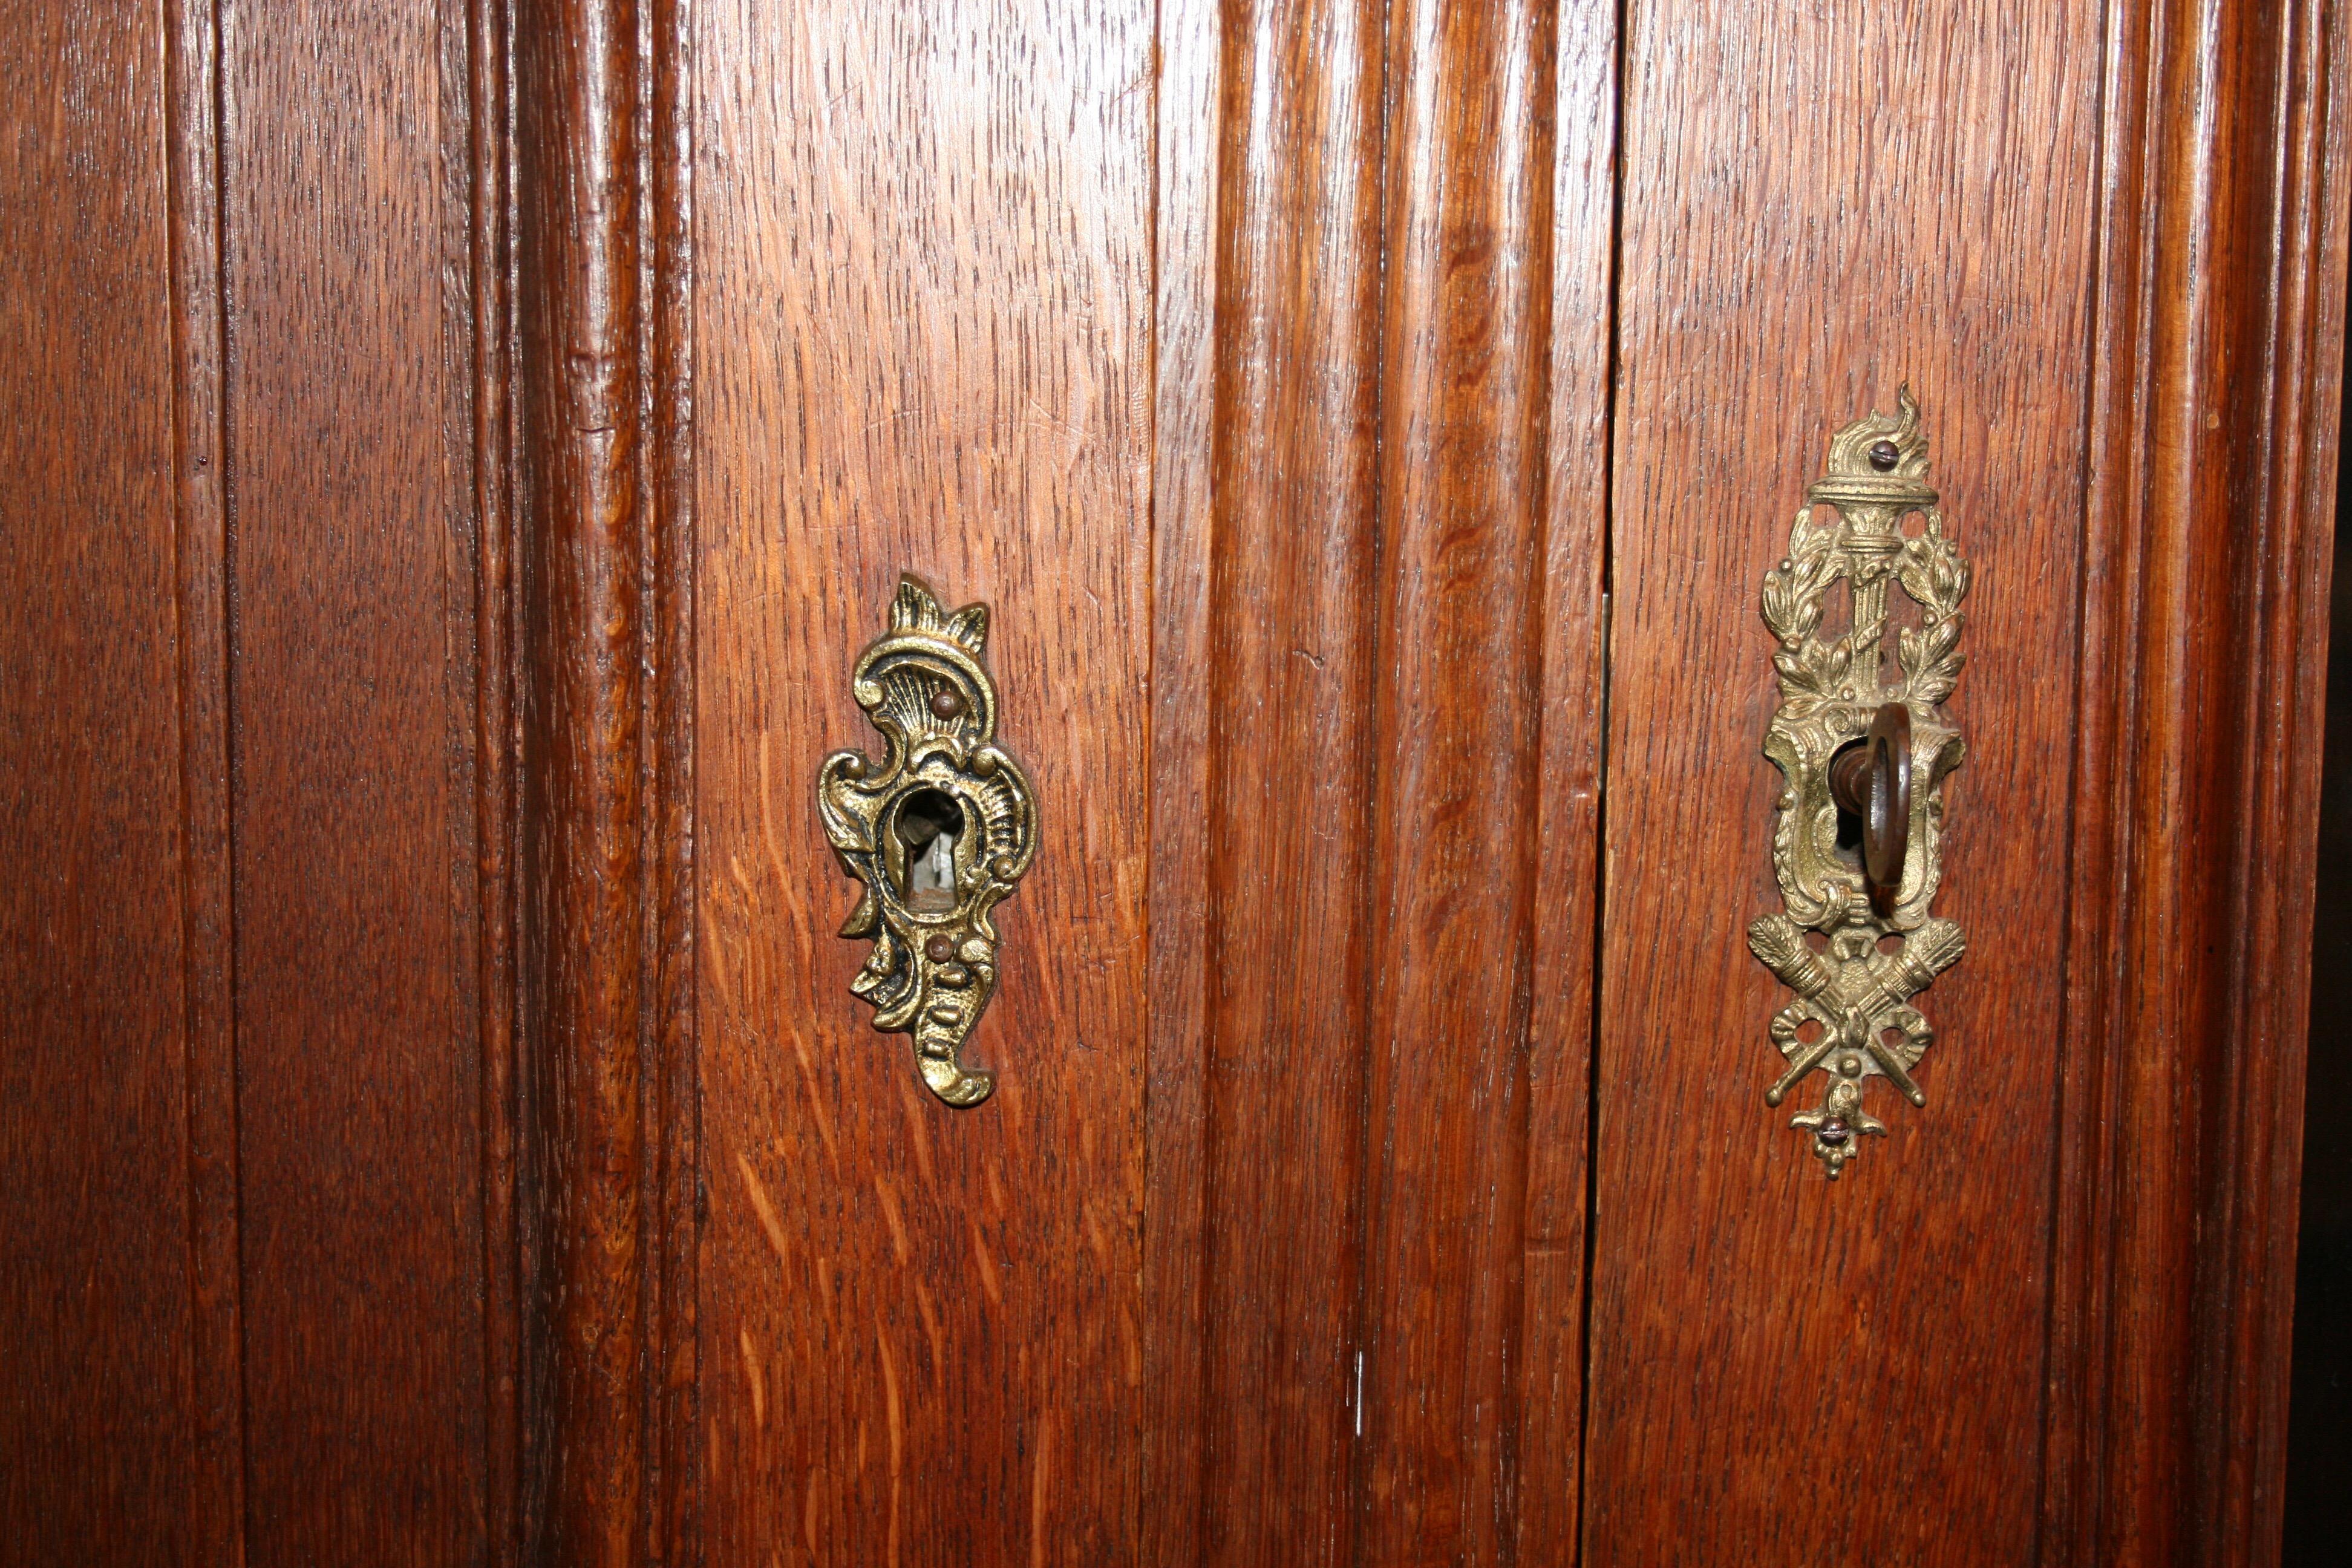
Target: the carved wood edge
(488, 188)
(600, 271)
(216, 1489)
(2136, 1470)
(2218, 320)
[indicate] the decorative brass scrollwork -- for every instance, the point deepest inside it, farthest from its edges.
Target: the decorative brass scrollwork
(1853, 1018)
(938, 831)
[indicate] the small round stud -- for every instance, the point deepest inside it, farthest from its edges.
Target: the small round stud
(940, 948)
(946, 704)
(1883, 456)
(1833, 1132)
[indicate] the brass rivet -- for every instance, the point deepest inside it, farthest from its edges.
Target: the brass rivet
(940, 948)
(946, 704)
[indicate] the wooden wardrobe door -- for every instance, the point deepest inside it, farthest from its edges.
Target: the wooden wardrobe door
(1214, 347)
(1324, 396)
(922, 327)
(459, 453)
(2008, 1332)
(1757, 1329)
(256, 1292)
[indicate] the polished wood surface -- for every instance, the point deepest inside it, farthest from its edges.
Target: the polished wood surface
(922, 330)
(1284, 634)
(245, 1108)
(98, 1430)
(460, 455)
(1459, 792)
(2217, 380)
(349, 503)
(585, 849)
(1754, 1326)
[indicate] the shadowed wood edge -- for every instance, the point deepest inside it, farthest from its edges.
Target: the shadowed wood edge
(600, 280)
(2213, 408)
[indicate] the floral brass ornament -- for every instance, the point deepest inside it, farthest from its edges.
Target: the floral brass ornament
(1853, 1019)
(938, 831)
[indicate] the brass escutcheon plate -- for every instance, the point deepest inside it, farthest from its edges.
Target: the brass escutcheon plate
(1853, 1018)
(938, 831)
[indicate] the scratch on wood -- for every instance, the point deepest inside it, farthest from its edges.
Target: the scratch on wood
(719, 980)
(816, 1102)
(895, 1423)
(1040, 1469)
(988, 1283)
(759, 1382)
(764, 1209)
(767, 822)
(932, 1329)
(1134, 1343)
(918, 1136)
(890, 1213)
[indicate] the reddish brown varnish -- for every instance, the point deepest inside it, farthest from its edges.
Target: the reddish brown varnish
(454, 459)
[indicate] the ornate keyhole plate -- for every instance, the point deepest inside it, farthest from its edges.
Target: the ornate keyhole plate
(938, 831)
(1853, 1018)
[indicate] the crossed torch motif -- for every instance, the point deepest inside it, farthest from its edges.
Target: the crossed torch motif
(1860, 997)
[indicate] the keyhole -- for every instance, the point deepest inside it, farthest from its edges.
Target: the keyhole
(929, 824)
(1849, 821)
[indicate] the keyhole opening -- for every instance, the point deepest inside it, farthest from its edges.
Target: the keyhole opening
(1849, 823)
(929, 824)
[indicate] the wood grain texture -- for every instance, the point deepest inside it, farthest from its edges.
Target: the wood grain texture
(217, 1479)
(488, 310)
(1823, 202)
(1291, 902)
(1460, 799)
(350, 505)
(1357, 233)
(447, 506)
(1186, 245)
(1571, 621)
(99, 1448)
(673, 1090)
(921, 342)
(587, 895)
(2217, 376)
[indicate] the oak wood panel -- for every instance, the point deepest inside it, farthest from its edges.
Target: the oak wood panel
(1290, 898)
(506, 1217)
(98, 1306)
(674, 1098)
(217, 1476)
(1576, 507)
(2215, 404)
(921, 342)
(1460, 797)
(1823, 202)
(350, 497)
(587, 898)
(1186, 245)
